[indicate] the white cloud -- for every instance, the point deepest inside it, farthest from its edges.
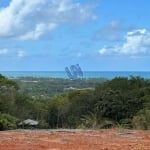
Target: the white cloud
(136, 42)
(15, 53)
(37, 32)
(21, 54)
(3, 51)
(111, 32)
(25, 19)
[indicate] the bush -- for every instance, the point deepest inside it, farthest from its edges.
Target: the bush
(7, 122)
(142, 120)
(89, 121)
(43, 125)
(126, 123)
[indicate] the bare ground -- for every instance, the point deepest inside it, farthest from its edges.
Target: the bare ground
(75, 140)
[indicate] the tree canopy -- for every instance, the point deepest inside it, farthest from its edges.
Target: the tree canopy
(124, 101)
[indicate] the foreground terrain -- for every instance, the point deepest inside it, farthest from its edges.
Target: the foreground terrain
(75, 140)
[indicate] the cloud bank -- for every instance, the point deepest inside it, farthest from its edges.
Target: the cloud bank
(25, 19)
(136, 42)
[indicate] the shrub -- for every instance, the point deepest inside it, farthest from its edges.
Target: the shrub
(142, 120)
(7, 122)
(126, 123)
(43, 125)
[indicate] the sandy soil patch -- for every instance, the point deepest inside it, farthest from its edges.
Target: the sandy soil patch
(75, 140)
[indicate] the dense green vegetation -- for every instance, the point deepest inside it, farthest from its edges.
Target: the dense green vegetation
(118, 102)
(49, 87)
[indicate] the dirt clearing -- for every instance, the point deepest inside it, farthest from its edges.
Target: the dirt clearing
(75, 140)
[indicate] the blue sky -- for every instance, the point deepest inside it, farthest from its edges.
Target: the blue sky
(100, 35)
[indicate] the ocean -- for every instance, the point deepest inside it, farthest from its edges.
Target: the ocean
(87, 74)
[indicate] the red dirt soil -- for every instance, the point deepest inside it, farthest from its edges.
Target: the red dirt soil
(75, 140)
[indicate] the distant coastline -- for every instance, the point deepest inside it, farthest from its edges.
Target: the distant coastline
(87, 74)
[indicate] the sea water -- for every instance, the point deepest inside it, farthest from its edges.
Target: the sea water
(87, 74)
